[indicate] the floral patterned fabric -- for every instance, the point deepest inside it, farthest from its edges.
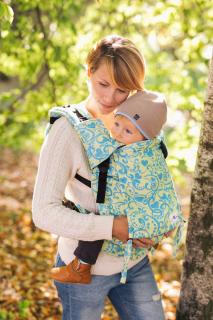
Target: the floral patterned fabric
(139, 185)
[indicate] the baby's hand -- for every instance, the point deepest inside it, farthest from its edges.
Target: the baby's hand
(143, 243)
(169, 233)
(148, 243)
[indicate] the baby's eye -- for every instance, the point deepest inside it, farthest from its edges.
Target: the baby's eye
(116, 124)
(128, 131)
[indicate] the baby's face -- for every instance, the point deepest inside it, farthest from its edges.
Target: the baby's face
(124, 131)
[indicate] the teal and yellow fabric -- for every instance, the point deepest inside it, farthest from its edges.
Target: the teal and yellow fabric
(139, 185)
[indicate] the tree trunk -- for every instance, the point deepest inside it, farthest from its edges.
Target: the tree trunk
(196, 297)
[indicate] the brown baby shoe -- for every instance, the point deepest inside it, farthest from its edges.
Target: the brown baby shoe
(74, 272)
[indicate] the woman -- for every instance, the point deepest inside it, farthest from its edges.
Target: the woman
(115, 69)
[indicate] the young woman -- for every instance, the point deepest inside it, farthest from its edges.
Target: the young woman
(115, 69)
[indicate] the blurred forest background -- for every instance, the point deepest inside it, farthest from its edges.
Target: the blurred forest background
(43, 47)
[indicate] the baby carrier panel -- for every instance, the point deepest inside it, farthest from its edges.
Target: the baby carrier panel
(138, 183)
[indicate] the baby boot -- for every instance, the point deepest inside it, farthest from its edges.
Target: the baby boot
(74, 272)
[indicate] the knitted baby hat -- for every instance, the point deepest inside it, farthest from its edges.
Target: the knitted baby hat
(147, 110)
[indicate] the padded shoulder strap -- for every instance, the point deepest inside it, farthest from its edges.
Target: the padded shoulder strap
(103, 166)
(80, 116)
(56, 113)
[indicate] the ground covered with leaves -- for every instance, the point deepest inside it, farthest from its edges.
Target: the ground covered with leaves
(27, 254)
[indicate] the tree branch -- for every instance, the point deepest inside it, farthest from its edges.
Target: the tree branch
(46, 43)
(31, 87)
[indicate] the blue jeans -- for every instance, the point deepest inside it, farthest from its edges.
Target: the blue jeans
(138, 299)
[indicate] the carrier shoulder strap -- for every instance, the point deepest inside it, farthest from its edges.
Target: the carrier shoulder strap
(102, 180)
(103, 169)
(80, 116)
(164, 149)
(103, 166)
(53, 119)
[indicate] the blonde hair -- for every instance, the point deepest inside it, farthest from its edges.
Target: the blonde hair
(124, 61)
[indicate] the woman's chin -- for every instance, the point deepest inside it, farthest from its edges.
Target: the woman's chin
(105, 109)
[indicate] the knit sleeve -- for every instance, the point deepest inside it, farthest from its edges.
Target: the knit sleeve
(60, 159)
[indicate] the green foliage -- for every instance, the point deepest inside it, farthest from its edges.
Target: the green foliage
(43, 53)
(23, 307)
(5, 315)
(6, 15)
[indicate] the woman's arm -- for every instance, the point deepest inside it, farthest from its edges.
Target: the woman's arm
(60, 158)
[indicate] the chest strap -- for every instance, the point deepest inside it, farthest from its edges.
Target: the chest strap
(83, 180)
(102, 180)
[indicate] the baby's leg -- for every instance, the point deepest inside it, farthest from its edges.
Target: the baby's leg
(88, 251)
(78, 270)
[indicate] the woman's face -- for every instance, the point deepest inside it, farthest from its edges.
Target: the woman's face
(106, 95)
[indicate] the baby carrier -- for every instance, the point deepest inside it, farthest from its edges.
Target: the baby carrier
(130, 180)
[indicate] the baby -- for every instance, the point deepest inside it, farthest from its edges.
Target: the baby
(141, 117)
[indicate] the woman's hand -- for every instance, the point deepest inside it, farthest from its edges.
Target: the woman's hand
(120, 228)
